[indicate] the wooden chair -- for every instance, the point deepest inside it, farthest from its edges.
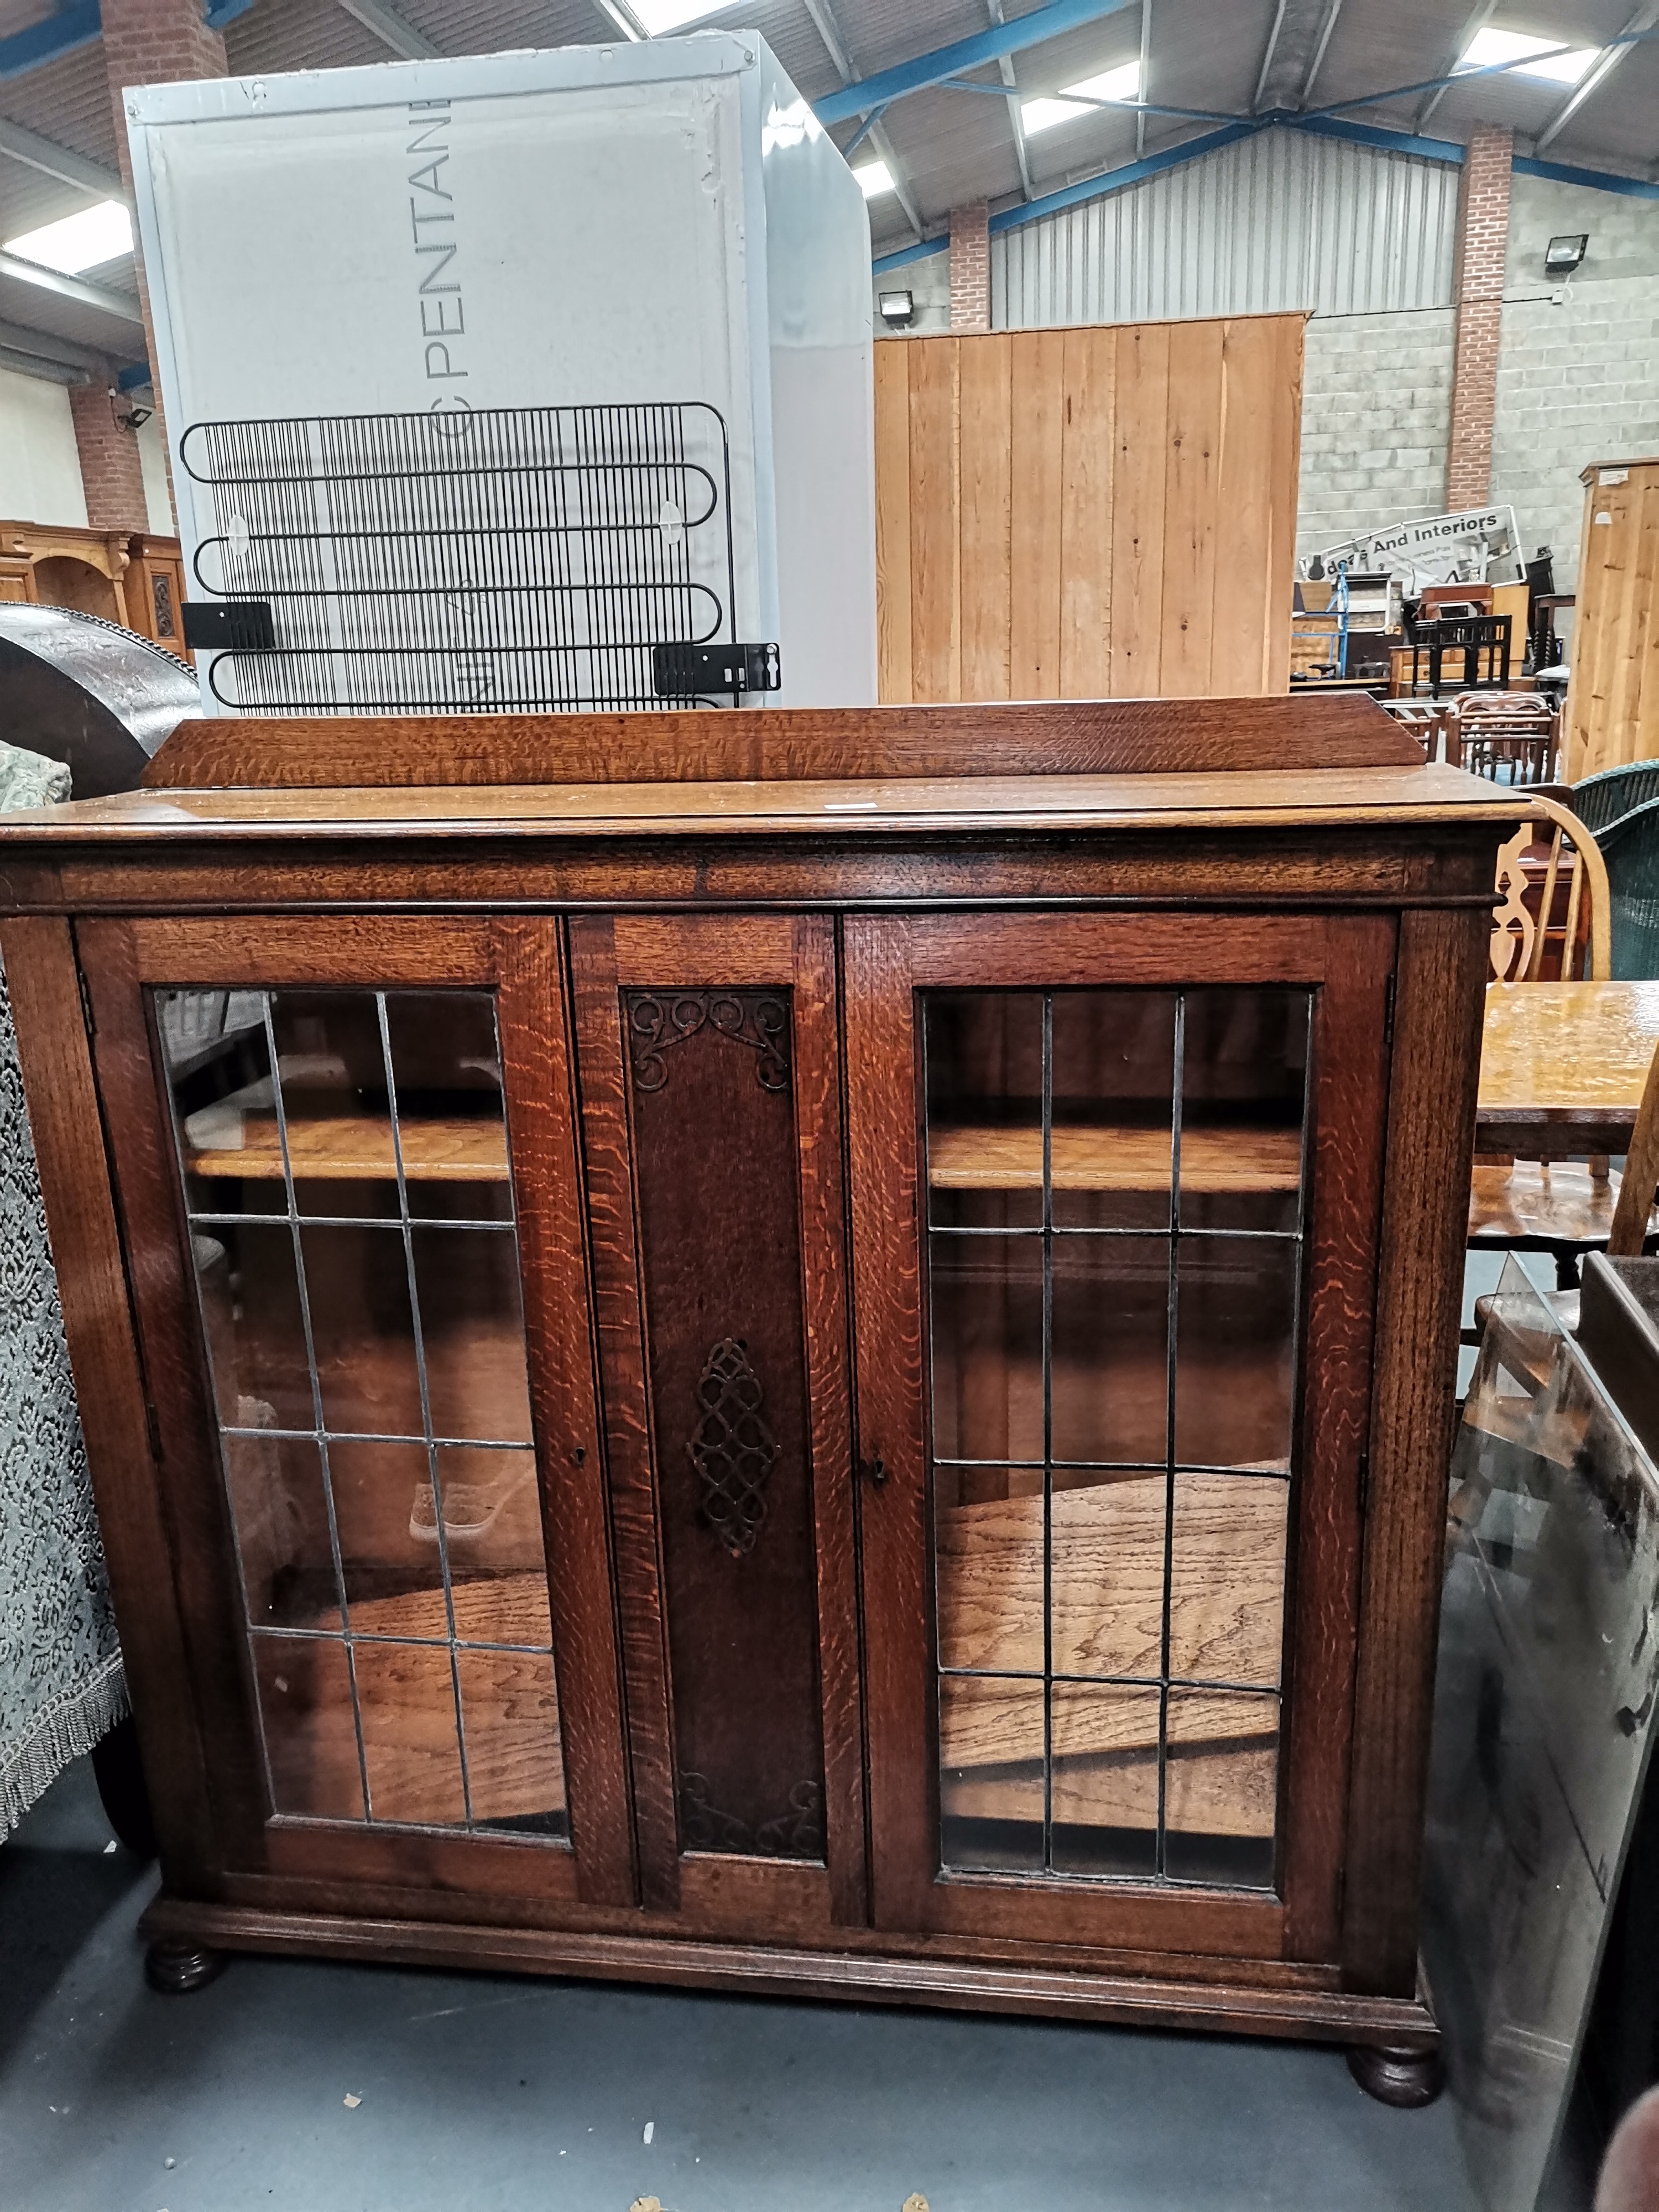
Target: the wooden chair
(1563, 1207)
(1423, 718)
(1508, 737)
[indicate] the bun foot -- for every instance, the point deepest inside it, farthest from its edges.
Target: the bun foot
(175, 1969)
(1405, 2078)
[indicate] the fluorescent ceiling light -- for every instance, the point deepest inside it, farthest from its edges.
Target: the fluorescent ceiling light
(1121, 83)
(1489, 46)
(876, 178)
(80, 241)
(660, 16)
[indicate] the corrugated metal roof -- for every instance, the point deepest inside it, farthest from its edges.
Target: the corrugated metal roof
(1282, 221)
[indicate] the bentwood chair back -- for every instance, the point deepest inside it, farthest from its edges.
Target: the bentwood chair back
(1563, 1207)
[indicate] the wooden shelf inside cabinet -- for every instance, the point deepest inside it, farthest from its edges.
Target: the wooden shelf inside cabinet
(231, 1141)
(1114, 1159)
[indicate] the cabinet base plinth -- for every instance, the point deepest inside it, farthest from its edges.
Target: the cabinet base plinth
(1405, 2078)
(175, 1969)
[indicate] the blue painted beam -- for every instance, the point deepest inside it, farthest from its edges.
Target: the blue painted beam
(1116, 181)
(221, 12)
(1385, 142)
(1599, 180)
(71, 27)
(984, 46)
(889, 262)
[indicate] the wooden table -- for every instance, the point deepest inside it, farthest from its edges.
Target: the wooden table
(1562, 1065)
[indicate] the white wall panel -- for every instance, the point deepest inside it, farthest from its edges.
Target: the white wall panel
(1280, 221)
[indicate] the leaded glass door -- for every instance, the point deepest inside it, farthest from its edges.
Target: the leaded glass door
(347, 1156)
(1122, 1184)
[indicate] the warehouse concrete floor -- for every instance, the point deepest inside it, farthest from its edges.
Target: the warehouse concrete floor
(479, 2092)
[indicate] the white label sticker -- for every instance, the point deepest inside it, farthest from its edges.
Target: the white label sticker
(1613, 476)
(1604, 516)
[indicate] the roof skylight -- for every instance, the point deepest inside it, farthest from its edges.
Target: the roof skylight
(660, 16)
(875, 178)
(1113, 84)
(79, 241)
(1489, 46)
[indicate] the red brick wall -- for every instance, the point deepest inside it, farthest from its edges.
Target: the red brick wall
(155, 42)
(111, 472)
(970, 269)
(151, 42)
(1483, 232)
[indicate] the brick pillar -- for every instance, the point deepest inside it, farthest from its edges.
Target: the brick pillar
(110, 472)
(153, 42)
(1483, 238)
(970, 269)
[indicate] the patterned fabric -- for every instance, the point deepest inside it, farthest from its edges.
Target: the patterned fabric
(61, 1684)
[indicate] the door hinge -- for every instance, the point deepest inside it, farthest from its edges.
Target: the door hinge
(1341, 1892)
(1364, 1484)
(153, 1427)
(86, 1002)
(1388, 1012)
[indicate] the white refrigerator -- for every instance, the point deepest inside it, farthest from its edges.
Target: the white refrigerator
(523, 381)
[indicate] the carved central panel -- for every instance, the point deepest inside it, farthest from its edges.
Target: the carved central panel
(658, 1020)
(732, 1448)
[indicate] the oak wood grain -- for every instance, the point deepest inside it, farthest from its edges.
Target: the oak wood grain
(538, 1079)
(608, 1180)
(43, 985)
(1432, 1099)
(1124, 735)
(1563, 1066)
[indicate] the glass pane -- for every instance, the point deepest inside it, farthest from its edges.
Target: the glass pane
(217, 1059)
(336, 1103)
(1227, 1579)
(280, 1511)
(515, 1768)
(1113, 1092)
(382, 1493)
(411, 1747)
(1111, 1381)
(987, 1565)
(1221, 1786)
(1085, 1536)
(1107, 1570)
(311, 1736)
(987, 1298)
(991, 1787)
(472, 1328)
(984, 1053)
(451, 1118)
(1245, 1065)
(1105, 1792)
(368, 1363)
(357, 1289)
(1236, 1351)
(253, 1325)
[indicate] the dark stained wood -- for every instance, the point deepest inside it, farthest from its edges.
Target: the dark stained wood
(65, 1115)
(541, 1129)
(1080, 738)
(866, 856)
(780, 1971)
(822, 1198)
(1350, 1077)
(202, 1554)
(602, 1088)
(1337, 866)
(887, 1355)
(1432, 1099)
(709, 1191)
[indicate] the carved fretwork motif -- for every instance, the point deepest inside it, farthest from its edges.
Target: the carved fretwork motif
(658, 1020)
(732, 1448)
(796, 1833)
